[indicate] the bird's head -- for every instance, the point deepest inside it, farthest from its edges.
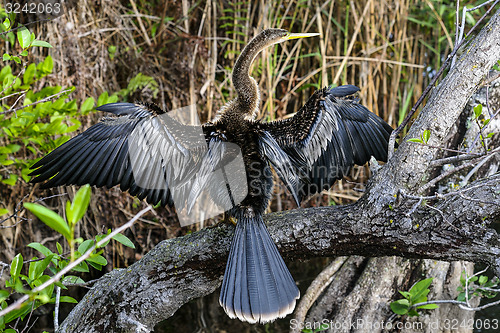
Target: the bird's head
(275, 36)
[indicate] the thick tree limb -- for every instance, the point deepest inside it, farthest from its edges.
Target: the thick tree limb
(182, 269)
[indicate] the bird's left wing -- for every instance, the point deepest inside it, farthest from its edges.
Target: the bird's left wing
(142, 149)
(326, 137)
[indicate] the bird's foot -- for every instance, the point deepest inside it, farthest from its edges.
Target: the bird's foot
(229, 219)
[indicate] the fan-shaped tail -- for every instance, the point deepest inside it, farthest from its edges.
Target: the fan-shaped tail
(257, 285)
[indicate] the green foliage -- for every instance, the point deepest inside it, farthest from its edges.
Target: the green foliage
(50, 218)
(25, 39)
(480, 286)
(139, 82)
(417, 294)
(482, 122)
(51, 263)
(34, 121)
(497, 66)
(424, 138)
(35, 118)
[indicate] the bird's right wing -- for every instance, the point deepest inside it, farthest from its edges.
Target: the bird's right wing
(143, 150)
(326, 137)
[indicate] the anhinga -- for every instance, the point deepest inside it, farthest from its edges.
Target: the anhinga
(308, 151)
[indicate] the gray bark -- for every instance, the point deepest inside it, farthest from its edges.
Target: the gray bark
(379, 224)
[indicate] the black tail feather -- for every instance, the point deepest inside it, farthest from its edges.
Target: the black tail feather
(257, 285)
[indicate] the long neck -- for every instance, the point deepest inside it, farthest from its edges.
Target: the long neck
(245, 85)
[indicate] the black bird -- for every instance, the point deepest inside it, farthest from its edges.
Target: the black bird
(309, 152)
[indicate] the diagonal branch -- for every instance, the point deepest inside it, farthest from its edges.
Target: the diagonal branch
(181, 269)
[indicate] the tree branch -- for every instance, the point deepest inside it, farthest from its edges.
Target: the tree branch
(181, 269)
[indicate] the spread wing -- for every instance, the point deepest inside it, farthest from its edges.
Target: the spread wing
(142, 149)
(326, 137)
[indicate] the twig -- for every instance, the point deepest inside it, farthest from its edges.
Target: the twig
(141, 25)
(22, 26)
(3, 267)
(20, 209)
(56, 308)
(445, 174)
(475, 169)
(479, 308)
(13, 81)
(86, 284)
(446, 149)
(452, 159)
(481, 132)
(73, 264)
(29, 318)
(459, 158)
(48, 98)
(13, 94)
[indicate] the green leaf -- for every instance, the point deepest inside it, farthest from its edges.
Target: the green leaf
(42, 265)
(426, 136)
(98, 238)
(24, 53)
(415, 140)
(405, 294)
(483, 279)
(72, 279)
(67, 299)
(3, 211)
(6, 57)
(16, 59)
(48, 64)
(420, 288)
(413, 313)
(50, 218)
(124, 240)
(98, 259)
(40, 248)
(6, 24)
(87, 105)
(428, 306)
(46, 293)
(29, 74)
(11, 180)
(16, 265)
(40, 43)
(59, 248)
(103, 99)
(4, 294)
(478, 111)
(81, 267)
(79, 206)
(85, 246)
(400, 307)
(24, 37)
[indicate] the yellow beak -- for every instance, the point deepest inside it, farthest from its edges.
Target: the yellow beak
(300, 35)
